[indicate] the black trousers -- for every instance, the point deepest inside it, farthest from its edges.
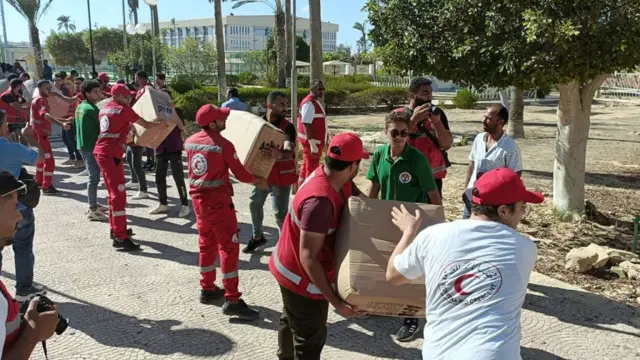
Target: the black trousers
(303, 327)
(162, 162)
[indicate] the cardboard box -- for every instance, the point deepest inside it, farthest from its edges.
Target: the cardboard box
(365, 240)
(249, 134)
(154, 105)
(58, 107)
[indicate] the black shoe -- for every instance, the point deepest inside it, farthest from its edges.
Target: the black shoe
(408, 330)
(211, 296)
(51, 191)
(240, 309)
(126, 244)
(254, 244)
(129, 233)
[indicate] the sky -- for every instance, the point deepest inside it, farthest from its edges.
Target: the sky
(109, 13)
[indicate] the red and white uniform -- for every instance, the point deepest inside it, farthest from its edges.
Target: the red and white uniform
(310, 161)
(115, 123)
(210, 157)
(42, 130)
(285, 262)
(283, 172)
(13, 322)
(13, 115)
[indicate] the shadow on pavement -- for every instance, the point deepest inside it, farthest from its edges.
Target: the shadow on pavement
(537, 354)
(582, 309)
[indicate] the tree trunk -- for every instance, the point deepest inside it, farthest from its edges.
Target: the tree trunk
(515, 126)
(574, 119)
(281, 48)
(222, 88)
(316, 40)
(290, 36)
(135, 16)
(34, 34)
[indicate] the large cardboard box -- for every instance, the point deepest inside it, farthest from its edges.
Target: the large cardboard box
(154, 105)
(365, 240)
(250, 134)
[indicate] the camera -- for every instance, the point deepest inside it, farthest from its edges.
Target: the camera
(45, 305)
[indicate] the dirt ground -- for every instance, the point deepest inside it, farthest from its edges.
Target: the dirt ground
(613, 184)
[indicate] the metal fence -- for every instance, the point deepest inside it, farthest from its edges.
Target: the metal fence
(623, 86)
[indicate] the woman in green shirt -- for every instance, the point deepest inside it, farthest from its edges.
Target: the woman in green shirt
(401, 172)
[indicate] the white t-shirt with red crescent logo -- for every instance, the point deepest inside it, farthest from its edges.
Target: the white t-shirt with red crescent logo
(476, 274)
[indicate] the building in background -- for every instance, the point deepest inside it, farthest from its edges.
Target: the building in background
(241, 33)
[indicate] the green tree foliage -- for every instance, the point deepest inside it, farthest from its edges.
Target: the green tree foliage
(105, 41)
(64, 22)
(68, 49)
(572, 44)
(342, 53)
(138, 55)
(193, 60)
(303, 51)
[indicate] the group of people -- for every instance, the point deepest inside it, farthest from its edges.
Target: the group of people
(469, 286)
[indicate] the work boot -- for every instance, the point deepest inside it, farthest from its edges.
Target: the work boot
(240, 309)
(129, 233)
(126, 244)
(211, 296)
(408, 330)
(253, 244)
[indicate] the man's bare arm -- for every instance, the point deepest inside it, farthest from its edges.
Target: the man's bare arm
(310, 245)
(374, 190)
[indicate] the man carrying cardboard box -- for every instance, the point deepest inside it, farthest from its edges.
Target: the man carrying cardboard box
(476, 271)
(303, 261)
(403, 173)
(210, 157)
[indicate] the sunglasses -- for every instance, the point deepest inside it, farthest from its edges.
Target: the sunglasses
(395, 133)
(22, 190)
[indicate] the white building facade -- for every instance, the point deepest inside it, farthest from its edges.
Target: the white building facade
(241, 33)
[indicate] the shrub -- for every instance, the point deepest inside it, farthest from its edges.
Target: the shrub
(192, 100)
(348, 83)
(303, 81)
(182, 84)
(247, 78)
(543, 91)
(232, 80)
(389, 96)
(465, 99)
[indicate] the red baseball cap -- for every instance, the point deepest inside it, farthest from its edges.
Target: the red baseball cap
(503, 186)
(209, 113)
(103, 77)
(349, 148)
(121, 89)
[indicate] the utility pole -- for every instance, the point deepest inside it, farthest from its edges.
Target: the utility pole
(5, 45)
(93, 60)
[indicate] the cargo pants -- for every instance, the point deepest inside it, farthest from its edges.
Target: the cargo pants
(45, 169)
(112, 169)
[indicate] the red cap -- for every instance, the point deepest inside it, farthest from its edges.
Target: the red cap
(121, 89)
(103, 77)
(349, 146)
(209, 113)
(501, 187)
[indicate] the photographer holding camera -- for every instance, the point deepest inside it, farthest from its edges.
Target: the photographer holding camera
(20, 335)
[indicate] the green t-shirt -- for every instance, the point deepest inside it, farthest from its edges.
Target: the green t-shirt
(87, 125)
(409, 178)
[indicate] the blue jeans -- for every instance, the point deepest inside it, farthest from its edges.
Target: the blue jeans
(23, 250)
(134, 160)
(467, 208)
(94, 178)
(69, 140)
(279, 201)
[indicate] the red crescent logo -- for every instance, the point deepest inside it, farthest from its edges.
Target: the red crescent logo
(458, 284)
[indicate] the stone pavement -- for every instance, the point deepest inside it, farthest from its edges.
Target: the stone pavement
(145, 305)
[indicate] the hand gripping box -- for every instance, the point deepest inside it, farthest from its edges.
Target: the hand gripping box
(250, 134)
(151, 106)
(365, 240)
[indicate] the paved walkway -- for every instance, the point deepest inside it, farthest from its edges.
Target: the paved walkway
(144, 305)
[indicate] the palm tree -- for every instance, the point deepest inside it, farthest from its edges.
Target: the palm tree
(217, 6)
(317, 71)
(64, 22)
(32, 11)
(281, 37)
(133, 10)
(362, 27)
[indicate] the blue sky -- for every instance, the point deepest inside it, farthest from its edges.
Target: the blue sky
(109, 13)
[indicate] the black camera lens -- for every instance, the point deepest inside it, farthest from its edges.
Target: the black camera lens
(62, 325)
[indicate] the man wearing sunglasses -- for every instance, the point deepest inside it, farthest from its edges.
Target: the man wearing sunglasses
(13, 156)
(18, 336)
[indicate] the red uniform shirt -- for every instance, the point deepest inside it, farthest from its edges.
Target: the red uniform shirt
(39, 107)
(115, 123)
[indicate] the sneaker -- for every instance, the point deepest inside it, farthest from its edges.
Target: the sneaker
(184, 211)
(211, 296)
(161, 209)
(103, 208)
(97, 215)
(254, 244)
(51, 191)
(25, 295)
(69, 162)
(131, 186)
(78, 164)
(129, 233)
(126, 244)
(84, 172)
(240, 309)
(141, 195)
(408, 330)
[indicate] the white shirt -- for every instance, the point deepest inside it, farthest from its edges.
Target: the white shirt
(476, 274)
(4, 312)
(308, 112)
(504, 153)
